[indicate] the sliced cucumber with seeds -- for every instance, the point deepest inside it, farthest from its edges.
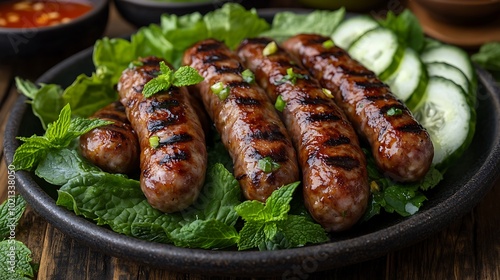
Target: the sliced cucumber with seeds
(448, 117)
(456, 57)
(409, 81)
(450, 72)
(351, 29)
(379, 51)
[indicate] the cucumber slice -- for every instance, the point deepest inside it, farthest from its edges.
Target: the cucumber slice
(450, 72)
(351, 29)
(379, 51)
(409, 81)
(455, 57)
(448, 117)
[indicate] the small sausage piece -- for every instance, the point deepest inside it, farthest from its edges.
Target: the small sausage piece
(401, 147)
(114, 147)
(250, 128)
(335, 180)
(173, 151)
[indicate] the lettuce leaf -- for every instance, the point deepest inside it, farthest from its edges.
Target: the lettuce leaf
(117, 201)
(287, 24)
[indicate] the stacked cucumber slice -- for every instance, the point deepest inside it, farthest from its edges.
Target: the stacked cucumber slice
(438, 83)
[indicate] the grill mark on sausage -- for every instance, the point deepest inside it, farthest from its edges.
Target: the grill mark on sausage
(341, 140)
(282, 62)
(177, 138)
(314, 101)
(375, 97)
(247, 101)
(370, 85)
(344, 162)
(162, 105)
(319, 117)
(273, 134)
(205, 47)
(356, 72)
(152, 73)
(228, 70)
(411, 128)
(236, 84)
(156, 125)
(214, 58)
(314, 41)
(176, 156)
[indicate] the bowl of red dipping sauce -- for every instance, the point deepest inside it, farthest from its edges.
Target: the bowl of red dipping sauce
(40, 27)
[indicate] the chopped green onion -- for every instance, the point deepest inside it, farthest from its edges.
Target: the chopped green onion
(154, 141)
(268, 165)
(327, 92)
(270, 49)
(394, 112)
(220, 90)
(248, 76)
(328, 44)
(280, 104)
(290, 77)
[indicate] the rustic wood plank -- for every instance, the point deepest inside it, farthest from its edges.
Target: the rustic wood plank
(448, 254)
(488, 236)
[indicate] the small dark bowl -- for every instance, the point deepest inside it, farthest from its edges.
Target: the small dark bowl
(69, 37)
(144, 12)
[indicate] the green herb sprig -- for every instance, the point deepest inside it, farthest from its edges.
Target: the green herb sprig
(184, 76)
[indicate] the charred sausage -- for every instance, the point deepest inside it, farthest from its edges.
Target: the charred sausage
(173, 157)
(335, 180)
(114, 147)
(401, 147)
(250, 128)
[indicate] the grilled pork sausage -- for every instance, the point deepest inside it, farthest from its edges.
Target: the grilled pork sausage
(250, 128)
(401, 146)
(114, 147)
(335, 180)
(173, 157)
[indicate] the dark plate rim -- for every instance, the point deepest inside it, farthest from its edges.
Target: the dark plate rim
(319, 257)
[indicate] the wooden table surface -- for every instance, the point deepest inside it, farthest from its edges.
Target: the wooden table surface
(469, 248)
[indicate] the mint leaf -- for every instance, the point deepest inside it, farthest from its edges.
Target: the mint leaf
(269, 226)
(156, 85)
(186, 76)
(26, 87)
(11, 211)
(59, 135)
(15, 260)
(46, 101)
(31, 152)
(60, 166)
(252, 235)
(206, 234)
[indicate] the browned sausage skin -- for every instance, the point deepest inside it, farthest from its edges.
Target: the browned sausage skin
(250, 128)
(114, 147)
(400, 145)
(335, 180)
(173, 171)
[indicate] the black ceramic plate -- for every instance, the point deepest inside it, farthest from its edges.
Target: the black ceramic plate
(463, 187)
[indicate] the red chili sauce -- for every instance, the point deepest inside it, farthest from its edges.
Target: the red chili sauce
(39, 13)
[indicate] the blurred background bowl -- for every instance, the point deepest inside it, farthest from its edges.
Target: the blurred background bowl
(70, 37)
(464, 12)
(144, 12)
(350, 5)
